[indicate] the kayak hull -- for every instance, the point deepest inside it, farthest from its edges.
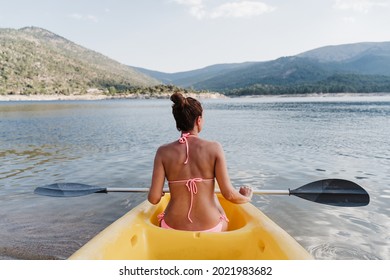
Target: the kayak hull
(137, 236)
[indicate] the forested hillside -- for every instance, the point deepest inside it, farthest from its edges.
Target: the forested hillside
(353, 68)
(37, 61)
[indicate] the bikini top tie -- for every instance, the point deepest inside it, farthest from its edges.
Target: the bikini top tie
(183, 140)
(192, 188)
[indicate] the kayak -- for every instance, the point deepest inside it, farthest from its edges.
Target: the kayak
(137, 236)
(250, 235)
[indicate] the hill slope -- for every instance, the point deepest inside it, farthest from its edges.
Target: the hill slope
(34, 60)
(189, 78)
(346, 52)
(360, 67)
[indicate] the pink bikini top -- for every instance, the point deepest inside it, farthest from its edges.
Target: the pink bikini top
(190, 183)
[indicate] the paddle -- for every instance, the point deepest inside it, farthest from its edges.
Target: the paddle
(336, 192)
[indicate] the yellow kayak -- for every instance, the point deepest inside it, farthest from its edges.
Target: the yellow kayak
(137, 236)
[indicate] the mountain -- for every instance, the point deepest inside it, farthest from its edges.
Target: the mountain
(34, 60)
(360, 67)
(188, 78)
(362, 58)
(347, 52)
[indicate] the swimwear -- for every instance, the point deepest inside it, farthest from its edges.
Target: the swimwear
(193, 189)
(217, 228)
(183, 140)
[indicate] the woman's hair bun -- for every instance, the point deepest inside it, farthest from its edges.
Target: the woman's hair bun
(185, 110)
(178, 99)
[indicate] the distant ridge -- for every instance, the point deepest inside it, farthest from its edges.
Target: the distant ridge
(37, 61)
(188, 78)
(339, 53)
(359, 67)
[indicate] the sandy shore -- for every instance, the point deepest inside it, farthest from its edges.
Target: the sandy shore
(55, 97)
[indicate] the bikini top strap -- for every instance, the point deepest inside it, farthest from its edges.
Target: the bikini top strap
(183, 140)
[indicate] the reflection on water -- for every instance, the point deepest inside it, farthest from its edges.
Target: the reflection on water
(270, 143)
(27, 163)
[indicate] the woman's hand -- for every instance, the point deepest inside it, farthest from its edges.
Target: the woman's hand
(246, 191)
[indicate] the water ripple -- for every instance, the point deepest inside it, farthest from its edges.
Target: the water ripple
(339, 252)
(269, 144)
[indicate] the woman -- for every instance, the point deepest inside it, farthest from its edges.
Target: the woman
(190, 166)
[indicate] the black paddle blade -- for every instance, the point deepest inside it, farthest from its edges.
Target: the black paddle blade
(336, 192)
(68, 190)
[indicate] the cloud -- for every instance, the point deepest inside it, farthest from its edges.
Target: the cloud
(242, 9)
(362, 6)
(77, 16)
(196, 7)
(232, 9)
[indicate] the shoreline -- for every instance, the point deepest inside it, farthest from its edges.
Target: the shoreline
(213, 95)
(54, 97)
(92, 97)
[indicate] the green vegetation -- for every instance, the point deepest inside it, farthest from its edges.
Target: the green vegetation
(342, 83)
(152, 91)
(36, 61)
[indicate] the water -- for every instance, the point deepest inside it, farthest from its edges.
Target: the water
(270, 143)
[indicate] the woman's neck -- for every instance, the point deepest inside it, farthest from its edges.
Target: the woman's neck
(191, 133)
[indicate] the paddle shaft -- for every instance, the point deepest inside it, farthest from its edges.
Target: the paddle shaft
(270, 192)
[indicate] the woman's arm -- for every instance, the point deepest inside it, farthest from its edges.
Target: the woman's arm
(158, 179)
(227, 190)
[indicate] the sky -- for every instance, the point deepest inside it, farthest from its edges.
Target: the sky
(181, 35)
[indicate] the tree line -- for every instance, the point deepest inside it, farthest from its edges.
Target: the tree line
(341, 83)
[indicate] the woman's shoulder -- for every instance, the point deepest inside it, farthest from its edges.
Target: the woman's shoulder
(168, 147)
(214, 145)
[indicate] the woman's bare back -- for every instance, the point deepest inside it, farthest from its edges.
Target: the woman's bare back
(204, 210)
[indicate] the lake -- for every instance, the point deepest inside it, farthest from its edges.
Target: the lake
(269, 143)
